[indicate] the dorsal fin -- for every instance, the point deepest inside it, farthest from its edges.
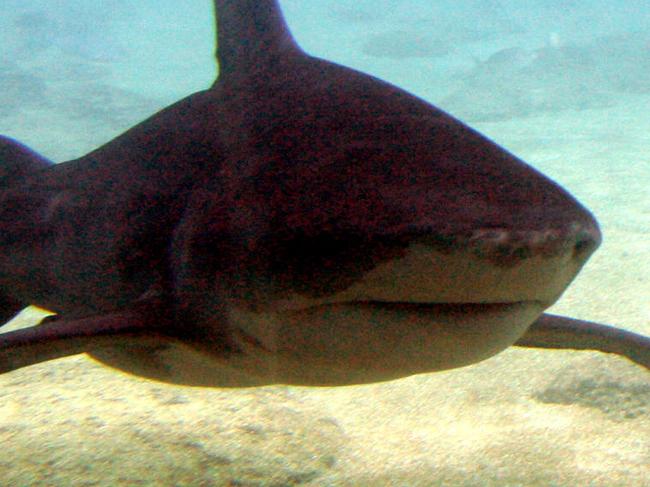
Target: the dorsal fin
(249, 33)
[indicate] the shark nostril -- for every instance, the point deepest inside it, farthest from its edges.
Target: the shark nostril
(587, 238)
(586, 242)
(583, 245)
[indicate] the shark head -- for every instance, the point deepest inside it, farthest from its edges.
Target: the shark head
(353, 232)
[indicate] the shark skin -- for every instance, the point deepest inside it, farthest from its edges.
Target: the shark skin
(298, 222)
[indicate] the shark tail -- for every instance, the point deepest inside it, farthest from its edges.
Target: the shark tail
(18, 163)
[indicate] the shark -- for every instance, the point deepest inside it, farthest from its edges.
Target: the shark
(298, 222)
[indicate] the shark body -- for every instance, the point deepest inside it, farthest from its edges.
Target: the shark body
(298, 222)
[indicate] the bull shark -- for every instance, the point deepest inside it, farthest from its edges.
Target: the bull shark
(298, 222)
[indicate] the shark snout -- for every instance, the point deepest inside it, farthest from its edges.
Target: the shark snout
(487, 265)
(505, 247)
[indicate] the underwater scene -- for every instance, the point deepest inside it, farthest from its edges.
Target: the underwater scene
(564, 85)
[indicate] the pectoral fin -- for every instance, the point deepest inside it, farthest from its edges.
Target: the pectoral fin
(560, 332)
(60, 337)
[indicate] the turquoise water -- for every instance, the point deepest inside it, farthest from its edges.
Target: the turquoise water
(564, 85)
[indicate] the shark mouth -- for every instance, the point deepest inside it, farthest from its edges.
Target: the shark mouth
(423, 312)
(369, 341)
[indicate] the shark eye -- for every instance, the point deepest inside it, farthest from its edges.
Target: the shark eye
(328, 263)
(316, 264)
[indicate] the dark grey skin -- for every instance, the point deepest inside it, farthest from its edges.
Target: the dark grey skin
(298, 222)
